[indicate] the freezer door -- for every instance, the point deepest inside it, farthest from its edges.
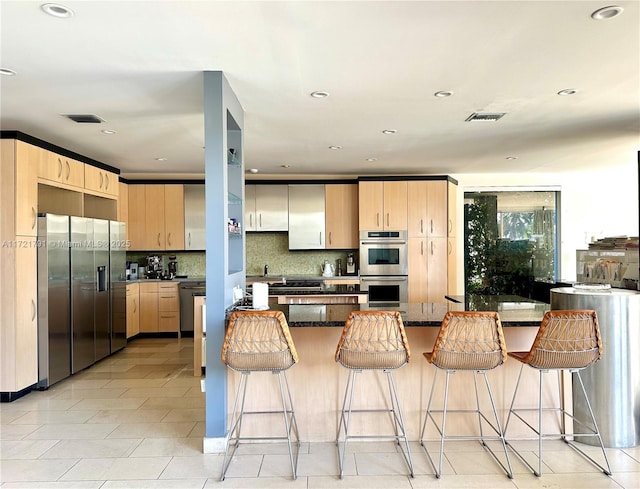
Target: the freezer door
(118, 284)
(83, 286)
(101, 296)
(54, 300)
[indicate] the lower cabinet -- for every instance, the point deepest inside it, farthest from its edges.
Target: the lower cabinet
(133, 310)
(159, 307)
(429, 270)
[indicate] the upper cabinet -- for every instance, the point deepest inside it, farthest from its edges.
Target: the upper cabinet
(382, 205)
(341, 216)
(100, 181)
(427, 214)
(194, 217)
(156, 217)
(266, 208)
(61, 170)
(306, 217)
(27, 158)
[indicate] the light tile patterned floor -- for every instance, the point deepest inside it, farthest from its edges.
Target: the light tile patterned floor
(136, 420)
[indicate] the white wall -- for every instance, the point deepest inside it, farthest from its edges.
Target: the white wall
(594, 203)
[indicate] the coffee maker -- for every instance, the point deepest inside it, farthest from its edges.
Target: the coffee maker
(154, 266)
(172, 266)
(351, 264)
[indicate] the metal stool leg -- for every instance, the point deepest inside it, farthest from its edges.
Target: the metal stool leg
(345, 420)
(398, 420)
(508, 469)
(289, 424)
(235, 425)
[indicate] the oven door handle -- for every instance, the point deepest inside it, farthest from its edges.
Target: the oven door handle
(378, 243)
(384, 279)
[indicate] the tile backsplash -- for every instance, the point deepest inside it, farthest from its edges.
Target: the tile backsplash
(192, 263)
(273, 249)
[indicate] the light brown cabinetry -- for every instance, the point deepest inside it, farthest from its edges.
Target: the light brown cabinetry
(156, 217)
(18, 266)
(123, 203)
(266, 208)
(382, 205)
(428, 269)
(61, 169)
(159, 307)
(103, 182)
(427, 214)
(341, 216)
(133, 310)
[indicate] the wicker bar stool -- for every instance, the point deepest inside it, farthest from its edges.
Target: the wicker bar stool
(372, 340)
(259, 341)
(471, 341)
(567, 340)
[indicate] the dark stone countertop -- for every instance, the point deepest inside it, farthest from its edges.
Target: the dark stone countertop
(513, 311)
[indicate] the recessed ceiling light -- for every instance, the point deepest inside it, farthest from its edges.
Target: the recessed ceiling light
(335, 147)
(443, 93)
(372, 159)
(567, 91)
(606, 13)
(57, 10)
(511, 158)
(285, 166)
(319, 94)
(161, 159)
(389, 131)
(7, 72)
(108, 131)
(253, 170)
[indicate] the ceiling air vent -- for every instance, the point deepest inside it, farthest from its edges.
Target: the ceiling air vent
(485, 116)
(85, 118)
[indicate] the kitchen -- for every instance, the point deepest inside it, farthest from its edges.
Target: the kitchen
(582, 214)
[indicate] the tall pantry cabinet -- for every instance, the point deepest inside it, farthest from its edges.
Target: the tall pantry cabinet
(431, 230)
(18, 266)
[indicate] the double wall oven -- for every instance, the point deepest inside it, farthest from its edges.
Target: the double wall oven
(383, 266)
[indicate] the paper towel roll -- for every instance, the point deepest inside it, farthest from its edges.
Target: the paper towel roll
(260, 295)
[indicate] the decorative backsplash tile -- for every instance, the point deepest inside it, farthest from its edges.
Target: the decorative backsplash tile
(273, 249)
(192, 263)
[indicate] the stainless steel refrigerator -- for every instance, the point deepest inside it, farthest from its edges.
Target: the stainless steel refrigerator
(101, 297)
(54, 300)
(118, 284)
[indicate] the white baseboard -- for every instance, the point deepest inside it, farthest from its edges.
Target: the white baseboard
(213, 445)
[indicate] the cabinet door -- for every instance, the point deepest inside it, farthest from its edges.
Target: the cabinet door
(272, 208)
(250, 208)
(154, 217)
(417, 208)
(452, 263)
(370, 206)
(136, 230)
(123, 203)
(174, 217)
(133, 310)
(395, 206)
(194, 217)
(102, 181)
(452, 199)
(417, 262)
(341, 216)
(27, 159)
(50, 166)
(148, 312)
(26, 323)
(437, 269)
(437, 209)
(306, 217)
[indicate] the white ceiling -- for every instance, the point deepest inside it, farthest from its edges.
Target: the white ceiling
(139, 65)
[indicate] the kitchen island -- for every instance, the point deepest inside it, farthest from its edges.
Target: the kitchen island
(318, 382)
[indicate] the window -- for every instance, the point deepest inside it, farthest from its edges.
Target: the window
(510, 240)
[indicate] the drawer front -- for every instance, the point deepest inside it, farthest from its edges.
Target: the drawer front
(168, 302)
(148, 287)
(167, 288)
(169, 322)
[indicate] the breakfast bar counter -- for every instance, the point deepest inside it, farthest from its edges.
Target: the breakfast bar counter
(318, 382)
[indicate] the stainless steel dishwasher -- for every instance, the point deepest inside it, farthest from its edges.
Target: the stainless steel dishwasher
(187, 290)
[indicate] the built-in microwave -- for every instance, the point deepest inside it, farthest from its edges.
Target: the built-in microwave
(383, 253)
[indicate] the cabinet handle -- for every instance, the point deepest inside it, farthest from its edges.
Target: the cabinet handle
(421, 226)
(135, 306)
(450, 226)
(68, 170)
(189, 240)
(169, 239)
(106, 177)
(432, 248)
(260, 225)
(35, 217)
(250, 220)
(33, 310)
(431, 226)
(450, 247)
(387, 219)
(59, 167)
(422, 247)
(377, 219)
(158, 239)
(167, 297)
(101, 179)
(329, 237)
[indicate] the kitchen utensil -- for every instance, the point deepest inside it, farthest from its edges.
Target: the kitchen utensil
(328, 270)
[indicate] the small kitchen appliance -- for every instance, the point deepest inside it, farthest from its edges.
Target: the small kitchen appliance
(133, 271)
(154, 266)
(172, 266)
(339, 267)
(328, 270)
(351, 264)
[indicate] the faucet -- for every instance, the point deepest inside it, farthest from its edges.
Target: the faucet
(266, 270)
